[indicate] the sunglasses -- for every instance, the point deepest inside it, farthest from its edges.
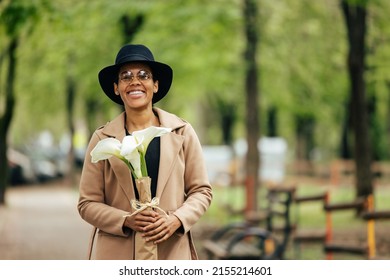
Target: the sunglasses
(128, 77)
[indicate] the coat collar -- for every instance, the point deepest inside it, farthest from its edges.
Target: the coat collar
(115, 128)
(170, 142)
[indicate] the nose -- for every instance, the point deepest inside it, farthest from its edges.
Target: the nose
(135, 80)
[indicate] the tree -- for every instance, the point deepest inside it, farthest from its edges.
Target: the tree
(70, 93)
(272, 122)
(252, 161)
(355, 13)
(225, 112)
(15, 18)
(302, 66)
(130, 26)
(6, 118)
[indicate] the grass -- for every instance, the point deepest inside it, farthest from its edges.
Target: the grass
(308, 215)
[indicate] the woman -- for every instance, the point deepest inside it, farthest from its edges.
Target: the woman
(174, 162)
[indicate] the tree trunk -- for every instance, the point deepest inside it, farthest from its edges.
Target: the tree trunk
(227, 115)
(345, 145)
(130, 26)
(305, 144)
(6, 118)
(252, 105)
(70, 97)
(388, 116)
(272, 122)
(355, 18)
(305, 140)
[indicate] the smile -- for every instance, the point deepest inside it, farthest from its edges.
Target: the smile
(136, 92)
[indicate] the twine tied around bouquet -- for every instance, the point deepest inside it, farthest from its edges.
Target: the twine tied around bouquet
(139, 206)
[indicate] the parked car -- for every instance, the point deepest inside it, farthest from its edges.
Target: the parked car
(35, 165)
(20, 168)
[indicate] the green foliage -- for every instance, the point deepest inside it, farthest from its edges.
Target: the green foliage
(15, 15)
(302, 58)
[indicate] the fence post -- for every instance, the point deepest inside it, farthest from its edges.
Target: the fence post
(328, 230)
(371, 229)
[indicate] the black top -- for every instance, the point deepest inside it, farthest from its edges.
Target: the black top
(152, 158)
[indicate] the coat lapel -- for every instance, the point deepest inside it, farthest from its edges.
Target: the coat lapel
(170, 147)
(116, 129)
(123, 174)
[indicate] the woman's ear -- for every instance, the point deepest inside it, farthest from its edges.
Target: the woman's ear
(155, 88)
(116, 89)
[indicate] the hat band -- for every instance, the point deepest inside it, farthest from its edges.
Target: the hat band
(130, 58)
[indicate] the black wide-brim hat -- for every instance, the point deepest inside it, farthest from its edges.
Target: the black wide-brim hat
(136, 53)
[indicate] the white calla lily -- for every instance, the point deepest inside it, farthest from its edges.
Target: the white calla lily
(132, 150)
(145, 136)
(105, 149)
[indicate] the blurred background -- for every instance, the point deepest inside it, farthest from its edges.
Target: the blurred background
(292, 93)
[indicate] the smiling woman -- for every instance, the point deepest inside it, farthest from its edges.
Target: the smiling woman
(144, 183)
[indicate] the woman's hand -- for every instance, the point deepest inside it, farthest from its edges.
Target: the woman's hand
(161, 229)
(141, 220)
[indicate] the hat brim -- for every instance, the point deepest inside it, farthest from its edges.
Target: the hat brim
(161, 72)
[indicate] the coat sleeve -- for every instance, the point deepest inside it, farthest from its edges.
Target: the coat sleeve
(198, 190)
(91, 204)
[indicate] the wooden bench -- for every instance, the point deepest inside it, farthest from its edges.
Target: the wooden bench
(303, 234)
(246, 244)
(247, 239)
(330, 246)
(376, 215)
(366, 205)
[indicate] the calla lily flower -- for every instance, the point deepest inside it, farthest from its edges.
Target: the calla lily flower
(132, 150)
(105, 149)
(146, 136)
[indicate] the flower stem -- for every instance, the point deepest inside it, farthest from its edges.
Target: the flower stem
(131, 169)
(144, 169)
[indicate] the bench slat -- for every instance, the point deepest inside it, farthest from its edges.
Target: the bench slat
(358, 250)
(308, 198)
(344, 206)
(376, 215)
(309, 236)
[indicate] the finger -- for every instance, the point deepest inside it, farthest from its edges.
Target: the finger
(145, 218)
(142, 224)
(155, 228)
(150, 213)
(162, 239)
(158, 238)
(145, 214)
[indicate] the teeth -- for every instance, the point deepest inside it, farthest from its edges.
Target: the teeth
(135, 92)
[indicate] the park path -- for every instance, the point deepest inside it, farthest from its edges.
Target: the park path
(42, 223)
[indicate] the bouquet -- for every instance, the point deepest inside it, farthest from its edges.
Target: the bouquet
(132, 152)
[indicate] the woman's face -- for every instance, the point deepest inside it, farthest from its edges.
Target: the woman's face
(135, 85)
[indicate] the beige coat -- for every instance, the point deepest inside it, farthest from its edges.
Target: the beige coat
(106, 189)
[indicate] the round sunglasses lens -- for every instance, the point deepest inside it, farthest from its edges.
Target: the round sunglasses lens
(142, 75)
